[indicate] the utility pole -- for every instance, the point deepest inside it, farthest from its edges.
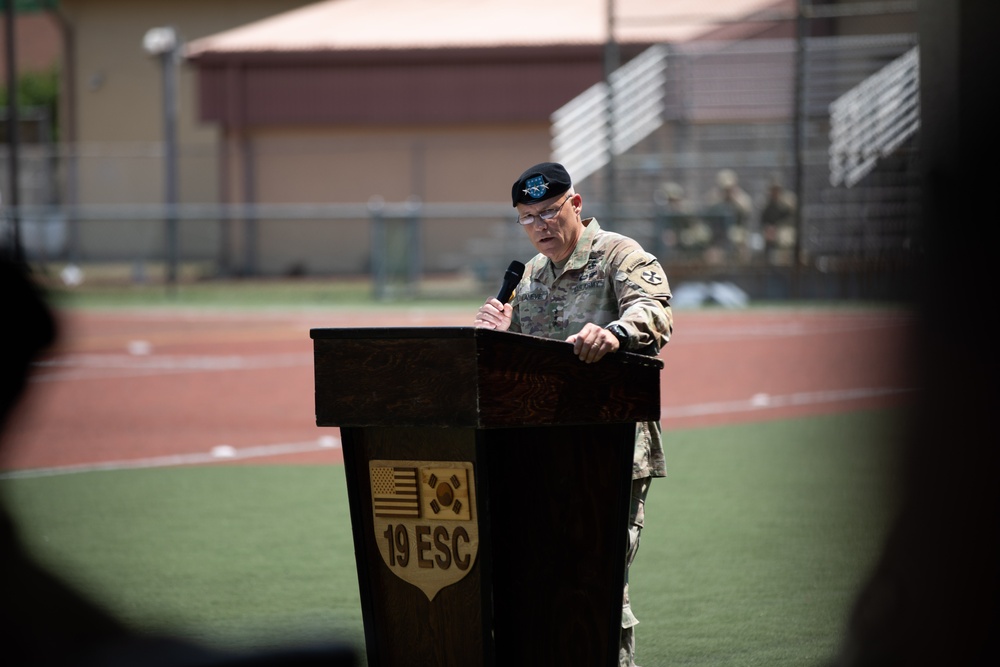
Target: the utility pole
(612, 59)
(798, 140)
(13, 133)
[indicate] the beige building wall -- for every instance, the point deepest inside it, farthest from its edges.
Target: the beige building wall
(119, 101)
(353, 165)
(120, 156)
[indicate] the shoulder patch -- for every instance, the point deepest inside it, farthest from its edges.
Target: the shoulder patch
(652, 277)
(643, 269)
(636, 259)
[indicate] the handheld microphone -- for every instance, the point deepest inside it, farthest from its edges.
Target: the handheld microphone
(510, 280)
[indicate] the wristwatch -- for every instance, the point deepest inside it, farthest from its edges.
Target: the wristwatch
(618, 331)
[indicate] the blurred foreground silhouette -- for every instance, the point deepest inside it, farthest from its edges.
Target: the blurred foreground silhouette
(934, 597)
(47, 623)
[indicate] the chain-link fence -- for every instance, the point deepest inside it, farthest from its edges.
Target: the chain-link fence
(739, 181)
(735, 184)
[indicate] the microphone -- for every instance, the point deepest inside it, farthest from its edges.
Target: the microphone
(510, 280)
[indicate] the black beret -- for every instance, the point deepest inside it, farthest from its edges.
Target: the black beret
(543, 181)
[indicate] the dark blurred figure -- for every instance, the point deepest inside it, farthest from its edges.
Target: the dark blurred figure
(43, 621)
(934, 596)
(777, 224)
(685, 235)
(729, 211)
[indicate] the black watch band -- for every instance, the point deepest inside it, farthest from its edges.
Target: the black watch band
(618, 331)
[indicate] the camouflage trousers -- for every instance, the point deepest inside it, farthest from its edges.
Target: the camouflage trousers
(637, 515)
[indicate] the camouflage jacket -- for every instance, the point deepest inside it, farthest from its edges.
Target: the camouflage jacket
(608, 279)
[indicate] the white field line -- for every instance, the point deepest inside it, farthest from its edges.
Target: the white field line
(222, 453)
(217, 454)
(759, 402)
(96, 366)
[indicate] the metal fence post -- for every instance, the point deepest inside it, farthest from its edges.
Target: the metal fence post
(376, 209)
(414, 259)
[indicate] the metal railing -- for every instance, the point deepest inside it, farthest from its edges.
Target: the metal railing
(874, 118)
(619, 116)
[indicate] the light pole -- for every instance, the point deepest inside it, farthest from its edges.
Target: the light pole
(163, 44)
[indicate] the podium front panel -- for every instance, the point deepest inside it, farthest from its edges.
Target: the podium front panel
(404, 555)
(544, 581)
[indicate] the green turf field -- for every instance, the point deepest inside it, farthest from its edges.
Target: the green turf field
(754, 546)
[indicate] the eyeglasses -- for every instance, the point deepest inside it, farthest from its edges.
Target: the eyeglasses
(547, 214)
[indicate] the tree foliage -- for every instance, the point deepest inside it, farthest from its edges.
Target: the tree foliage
(37, 90)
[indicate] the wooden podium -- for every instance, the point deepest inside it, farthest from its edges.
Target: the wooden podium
(489, 478)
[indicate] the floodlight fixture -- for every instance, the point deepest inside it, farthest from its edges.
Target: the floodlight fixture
(159, 41)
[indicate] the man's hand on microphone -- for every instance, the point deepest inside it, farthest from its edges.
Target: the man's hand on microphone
(593, 342)
(494, 315)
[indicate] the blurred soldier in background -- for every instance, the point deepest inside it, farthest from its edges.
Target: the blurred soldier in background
(684, 234)
(729, 210)
(777, 223)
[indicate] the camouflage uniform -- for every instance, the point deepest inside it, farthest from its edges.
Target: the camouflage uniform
(608, 279)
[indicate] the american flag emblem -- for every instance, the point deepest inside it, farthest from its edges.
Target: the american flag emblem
(394, 492)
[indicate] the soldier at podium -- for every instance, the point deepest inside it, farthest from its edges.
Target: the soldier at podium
(600, 291)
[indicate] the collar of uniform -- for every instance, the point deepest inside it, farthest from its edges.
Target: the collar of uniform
(578, 258)
(581, 254)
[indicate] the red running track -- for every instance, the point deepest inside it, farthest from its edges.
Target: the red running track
(145, 388)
